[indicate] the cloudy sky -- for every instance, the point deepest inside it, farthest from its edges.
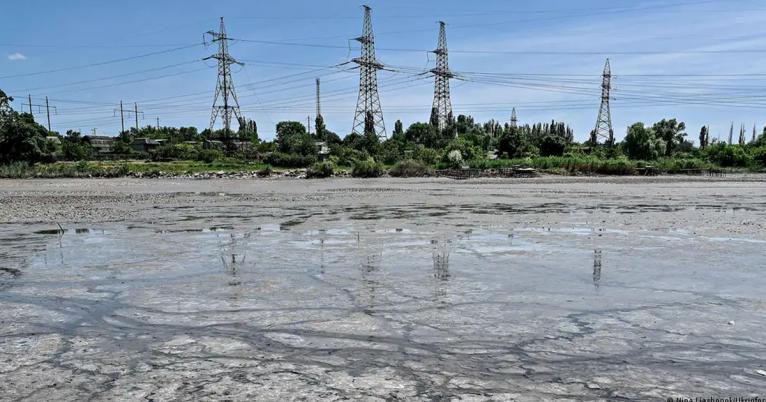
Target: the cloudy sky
(700, 61)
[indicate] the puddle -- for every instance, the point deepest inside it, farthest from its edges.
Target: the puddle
(299, 294)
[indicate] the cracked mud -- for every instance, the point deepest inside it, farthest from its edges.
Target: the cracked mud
(580, 289)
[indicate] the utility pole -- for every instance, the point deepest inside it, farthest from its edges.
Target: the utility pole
(40, 107)
(604, 121)
(442, 106)
(123, 111)
(369, 114)
(48, 112)
(308, 124)
(158, 124)
(122, 117)
(514, 120)
(225, 87)
(135, 112)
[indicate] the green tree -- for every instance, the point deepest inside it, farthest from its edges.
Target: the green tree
(424, 134)
(398, 129)
(641, 143)
(512, 143)
(369, 123)
(74, 147)
(292, 138)
(320, 128)
(248, 131)
(21, 139)
(671, 132)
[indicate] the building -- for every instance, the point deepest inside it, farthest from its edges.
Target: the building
(100, 144)
(323, 151)
(146, 144)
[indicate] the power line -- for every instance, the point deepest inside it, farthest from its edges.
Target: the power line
(102, 63)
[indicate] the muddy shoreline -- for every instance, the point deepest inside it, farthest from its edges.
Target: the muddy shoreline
(579, 288)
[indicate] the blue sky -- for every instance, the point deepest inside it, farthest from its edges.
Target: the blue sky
(697, 60)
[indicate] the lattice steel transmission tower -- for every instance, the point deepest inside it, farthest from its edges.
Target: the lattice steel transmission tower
(604, 122)
(442, 106)
(224, 90)
(369, 115)
(514, 120)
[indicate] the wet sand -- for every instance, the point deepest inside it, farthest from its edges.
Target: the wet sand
(417, 289)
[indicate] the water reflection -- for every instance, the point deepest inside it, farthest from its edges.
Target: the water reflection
(370, 260)
(233, 252)
(440, 254)
(596, 268)
(441, 250)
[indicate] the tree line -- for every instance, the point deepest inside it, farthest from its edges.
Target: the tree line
(461, 141)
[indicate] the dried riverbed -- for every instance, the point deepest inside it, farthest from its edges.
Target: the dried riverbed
(422, 289)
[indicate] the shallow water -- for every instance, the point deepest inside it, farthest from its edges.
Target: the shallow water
(352, 303)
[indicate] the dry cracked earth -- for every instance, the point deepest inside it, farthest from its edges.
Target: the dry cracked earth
(423, 289)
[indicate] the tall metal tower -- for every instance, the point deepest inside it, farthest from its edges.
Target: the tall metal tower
(442, 105)
(514, 120)
(369, 115)
(319, 108)
(224, 90)
(604, 122)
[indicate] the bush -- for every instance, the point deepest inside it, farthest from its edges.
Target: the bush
(367, 169)
(265, 172)
(209, 155)
(454, 159)
(320, 170)
(429, 156)
(728, 155)
(759, 156)
(290, 160)
(409, 168)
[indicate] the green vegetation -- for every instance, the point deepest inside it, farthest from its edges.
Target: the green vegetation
(367, 169)
(410, 168)
(320, 170)
(28, 150)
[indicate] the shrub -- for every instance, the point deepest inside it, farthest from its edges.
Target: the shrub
(368, 168)
(429, 156)
(320, 170)
(455, 159)
(290, 160)
(759, 156)
(265, 172)
(728, 155)
(209, 155)
(409, 168)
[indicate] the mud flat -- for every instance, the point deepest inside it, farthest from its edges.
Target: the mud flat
(422, 289)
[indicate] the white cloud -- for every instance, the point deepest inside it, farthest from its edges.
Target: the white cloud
(16, 56)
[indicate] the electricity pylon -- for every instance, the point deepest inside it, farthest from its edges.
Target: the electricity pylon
(224, 89)
(604, 122)
(514, 120)
(369, 115)
(442, 106)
